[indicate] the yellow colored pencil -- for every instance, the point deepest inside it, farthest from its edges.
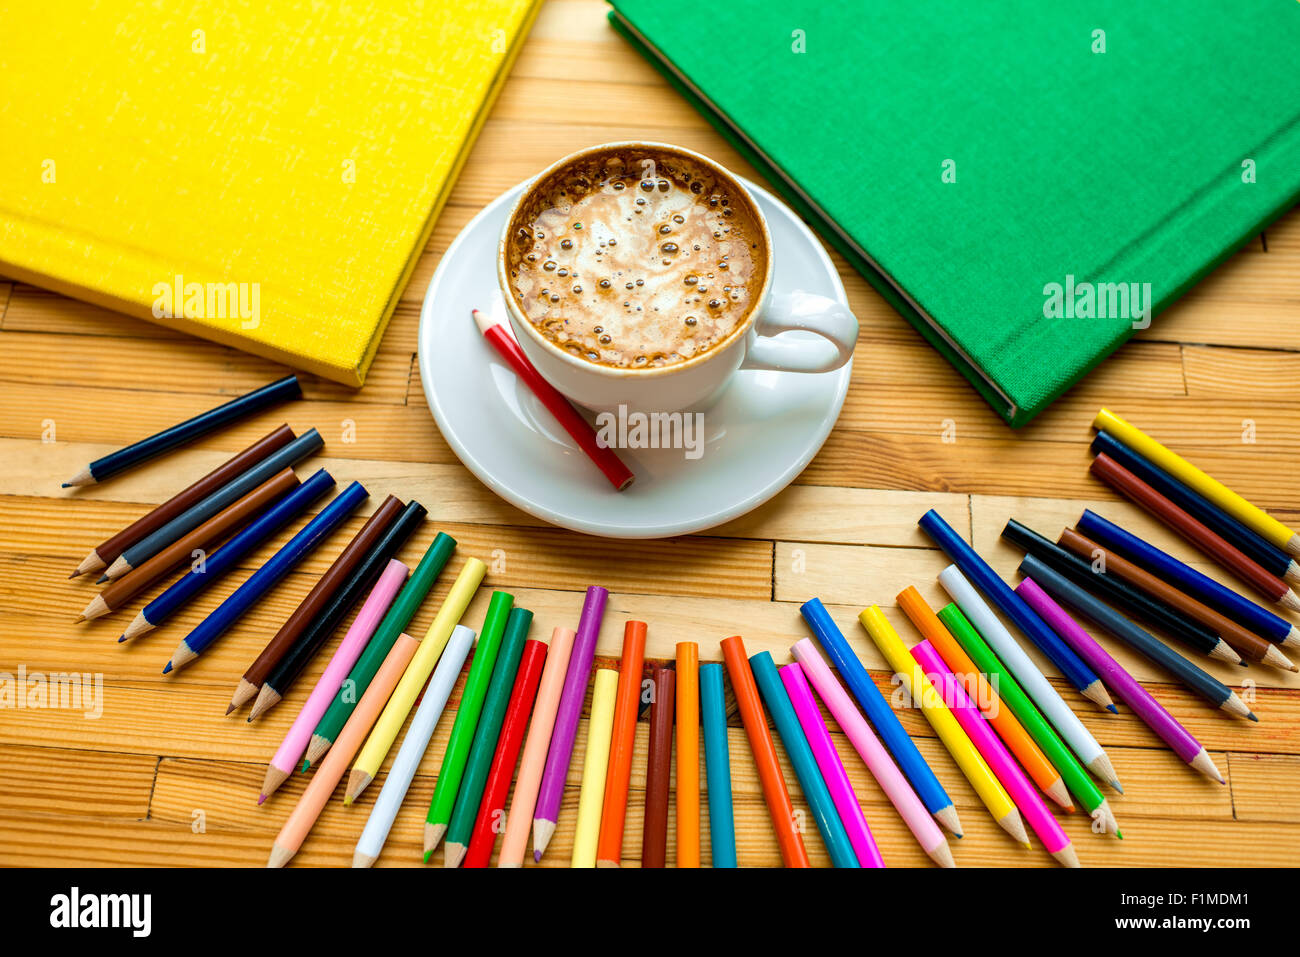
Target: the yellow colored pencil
(922, 693)
(688, 754)
(1243, 511)
(413, 679)
(591, 799)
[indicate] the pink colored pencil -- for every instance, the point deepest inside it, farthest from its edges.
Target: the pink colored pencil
(878, 761)
(831, 767)
(990, 746)
(520, 816)
(354, 642)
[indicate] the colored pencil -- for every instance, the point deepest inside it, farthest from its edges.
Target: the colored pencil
(830, 766)
(1225, 554)
(995, 753)
(452, 769)
(486, 735)
(306, 445)
(1166, 727)
(873, 753)
(1254, 518)
(403, 698)
(1242, 639)
(594, 766)
(298, 655)
(999, 592)
(547, 810)
(225, 558)
(793, 853)
(688, 754)
(310, 607)
(327, 777)
(654, 828)
(973, 766)
(881, 715)
(282, 390)
(1029, 677)
(415, 743)
(1238, 607)
(492, 810)
(394, 623)
(605, 459)
(1120, 593)
(1014, 697)
(609, 853)
(122, 590)
(295, 741)
(533, 763)
(107, 551)
(717, 766)
(1267, 555)
(1206, 685)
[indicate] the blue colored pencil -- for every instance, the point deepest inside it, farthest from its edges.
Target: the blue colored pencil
(203, 423)
(984, 578)
(880, 714)
(1238, 607)
(228, 555)
(814, 787)
(717, 766)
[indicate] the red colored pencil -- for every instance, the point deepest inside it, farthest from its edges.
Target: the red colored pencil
(619, 475)
(491, 812)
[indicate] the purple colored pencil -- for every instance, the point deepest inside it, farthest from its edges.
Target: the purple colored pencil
(830, 765)
(566, 720)
(1165, 725)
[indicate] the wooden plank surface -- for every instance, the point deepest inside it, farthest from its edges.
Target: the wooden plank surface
(149, 771)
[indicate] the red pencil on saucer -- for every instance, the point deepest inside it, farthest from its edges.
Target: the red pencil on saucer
(619, 475)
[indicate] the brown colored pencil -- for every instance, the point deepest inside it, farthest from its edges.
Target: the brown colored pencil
(609, 847)
(654, 837)
(104, 554)
(121, 590)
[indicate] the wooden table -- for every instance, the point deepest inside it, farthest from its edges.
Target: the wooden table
(161, 777)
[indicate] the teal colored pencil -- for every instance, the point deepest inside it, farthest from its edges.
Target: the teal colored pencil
(717, 766)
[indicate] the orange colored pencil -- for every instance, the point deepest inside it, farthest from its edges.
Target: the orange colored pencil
(627, 701)
(793, 852)
(688, 754)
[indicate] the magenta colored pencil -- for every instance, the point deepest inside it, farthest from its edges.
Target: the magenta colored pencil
(831, 767)
(992, 749)
(566, 720)
(1164, 724)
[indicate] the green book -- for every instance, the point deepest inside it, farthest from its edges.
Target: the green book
(1028, 183)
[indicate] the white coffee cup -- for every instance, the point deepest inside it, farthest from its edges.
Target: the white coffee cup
(756, 343)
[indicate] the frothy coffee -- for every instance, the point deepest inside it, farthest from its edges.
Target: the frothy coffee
(636, 258)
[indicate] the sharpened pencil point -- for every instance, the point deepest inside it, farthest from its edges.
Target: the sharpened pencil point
(74, 574)
(537, 857)
(229, 709)
(1112, 709)
(1114, 782)
(168, 669)
(121, 638)
(1252, 717)
(101, 579)
(261, 799)
(428, 854)
(66, 485)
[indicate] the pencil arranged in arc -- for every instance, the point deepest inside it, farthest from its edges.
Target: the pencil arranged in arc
(294, 744)
(995, 754)
(1150, 647)
(595, 764)
(717, 767)
(306, 445)
(403, 609)
(322, 785)
(310, 537)
(999, 592)
(486, 734)
(818, 736)
(688, 754)
(107, 551)
(547, 810)
(609, 852)
(106, 466)
(1165, 725)
(654, 828)
(881, 715)
(492, 809)
(519, 819)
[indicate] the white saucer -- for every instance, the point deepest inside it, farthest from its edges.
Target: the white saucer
(758, 436)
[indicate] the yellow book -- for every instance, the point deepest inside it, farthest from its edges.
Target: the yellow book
(264, 175)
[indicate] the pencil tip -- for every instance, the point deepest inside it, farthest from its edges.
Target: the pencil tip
(1119, 834)
(1114, 782)
(429, 853)
(229, 708)
(1252, 717)
(168, 669)
(261, 799)
(121, 638)
(1112, 709)
(537, 857)
(80, 619)
(101, 579)
(66, 485)
(74, 574)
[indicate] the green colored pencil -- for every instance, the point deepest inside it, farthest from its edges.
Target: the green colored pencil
(463, 816)
(1014, 697)
(399, 615)
(462, 732)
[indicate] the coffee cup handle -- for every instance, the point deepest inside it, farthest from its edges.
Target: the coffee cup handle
(808, 312)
